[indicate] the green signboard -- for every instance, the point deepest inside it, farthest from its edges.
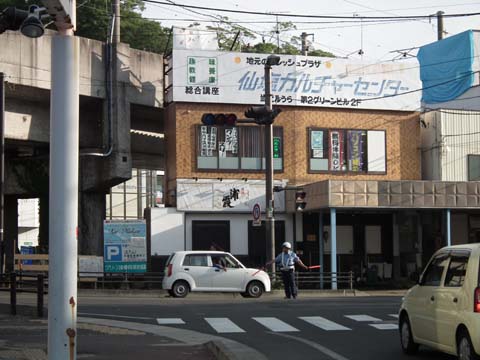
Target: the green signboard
(277, 148)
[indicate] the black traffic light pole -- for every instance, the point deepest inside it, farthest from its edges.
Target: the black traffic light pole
(269, 200)
(2, 168)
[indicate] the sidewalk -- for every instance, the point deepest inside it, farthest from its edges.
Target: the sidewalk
(26, 339)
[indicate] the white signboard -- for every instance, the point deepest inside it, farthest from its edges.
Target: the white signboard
(90, 266)
(237, 78)
(224, 196)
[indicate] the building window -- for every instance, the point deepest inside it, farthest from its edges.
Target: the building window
(473, 167)
(129, 199)
(236, 148)
(340, 150)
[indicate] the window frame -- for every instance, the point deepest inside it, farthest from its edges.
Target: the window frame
(471, 156)
(346, 172)
(444, 256)
(191, 255)
(463, 254)
(196, 131)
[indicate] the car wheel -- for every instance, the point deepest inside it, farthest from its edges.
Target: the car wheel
(409, 347)
(244, 294)
(180, 289)
(465, 348)
(255, 289)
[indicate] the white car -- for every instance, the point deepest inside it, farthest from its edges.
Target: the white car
(443, 310)
(212, 271)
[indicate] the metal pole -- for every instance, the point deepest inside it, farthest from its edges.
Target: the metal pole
(333, 251)
(440, 30)
(64, 153)
(321, 247)
(449, 232)
(2, 169)
(13, 293)
(270, 220)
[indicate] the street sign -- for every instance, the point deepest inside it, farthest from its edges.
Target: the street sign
(257, 215)
(125, 247)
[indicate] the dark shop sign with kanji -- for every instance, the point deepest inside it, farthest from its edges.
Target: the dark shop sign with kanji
(237, 78)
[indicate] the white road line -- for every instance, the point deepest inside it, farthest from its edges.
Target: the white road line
(393, 315)
(323, 323)
(326, 351)
(170, 321)
(363, 318)
(275, 324)
(115, 316)
(385, 326)
(224, 325)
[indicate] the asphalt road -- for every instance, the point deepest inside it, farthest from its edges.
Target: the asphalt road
(346, 328)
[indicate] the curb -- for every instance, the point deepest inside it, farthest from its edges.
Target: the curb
(219, 351)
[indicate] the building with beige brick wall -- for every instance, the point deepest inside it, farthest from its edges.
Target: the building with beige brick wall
(348, 136)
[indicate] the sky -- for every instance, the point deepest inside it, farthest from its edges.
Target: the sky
(379, 41)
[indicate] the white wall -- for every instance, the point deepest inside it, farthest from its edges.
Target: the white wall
(238, 229)
(465, 128)
(167, 231)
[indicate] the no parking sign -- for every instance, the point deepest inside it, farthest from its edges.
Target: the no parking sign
(257, 215)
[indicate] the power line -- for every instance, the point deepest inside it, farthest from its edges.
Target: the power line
(190, 7)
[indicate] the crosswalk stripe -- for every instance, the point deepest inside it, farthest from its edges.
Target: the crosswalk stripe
(170, 321)
(224, 325)
(393, 315)
(323, 323)
(274, 324)
(385, 326)
(362, 318)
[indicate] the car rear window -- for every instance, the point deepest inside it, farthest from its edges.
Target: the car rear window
(195, 260)
(457, 269)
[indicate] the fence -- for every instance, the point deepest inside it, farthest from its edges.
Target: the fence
(20, 283)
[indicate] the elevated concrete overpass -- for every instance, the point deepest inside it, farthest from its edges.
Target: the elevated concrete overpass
(136, 131)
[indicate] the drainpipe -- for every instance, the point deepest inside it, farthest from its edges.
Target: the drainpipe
(109, 87)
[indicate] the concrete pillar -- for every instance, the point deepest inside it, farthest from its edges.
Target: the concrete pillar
(321, 247)
(449, 229)
(90, 224)
(333, 253)
(11, 231)
(396, 247)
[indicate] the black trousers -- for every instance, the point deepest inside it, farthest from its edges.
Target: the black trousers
(288, 278)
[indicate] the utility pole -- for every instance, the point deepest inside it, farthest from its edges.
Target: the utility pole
(270, 220)
(2, 169)
(440, 30)
(278, 37)
(116, 23)
(304, 36)
(63, 206)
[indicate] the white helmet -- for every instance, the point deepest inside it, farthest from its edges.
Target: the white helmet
(287, 245)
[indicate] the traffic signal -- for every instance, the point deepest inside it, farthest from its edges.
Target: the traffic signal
(262, 115)
(219, 119)
(300, 202)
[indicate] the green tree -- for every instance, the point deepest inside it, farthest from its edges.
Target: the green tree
(93, 21)
(227, 32)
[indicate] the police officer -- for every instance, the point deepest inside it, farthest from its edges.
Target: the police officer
(286, 262)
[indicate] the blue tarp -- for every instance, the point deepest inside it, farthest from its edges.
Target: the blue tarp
(446, 67)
